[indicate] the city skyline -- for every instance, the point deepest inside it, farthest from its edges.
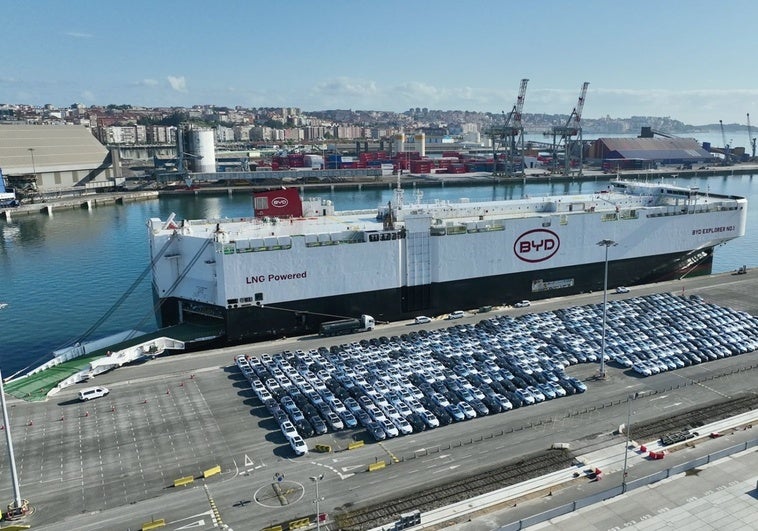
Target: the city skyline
(679, 59)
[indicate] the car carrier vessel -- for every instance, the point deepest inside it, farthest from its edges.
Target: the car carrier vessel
(295, 263)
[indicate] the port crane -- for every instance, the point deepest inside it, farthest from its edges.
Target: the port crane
(727, 155)
(750, 138)
(511, 136)
(563, 134)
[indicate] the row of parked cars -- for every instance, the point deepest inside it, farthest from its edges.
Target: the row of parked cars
(663, 332)
(398, 385)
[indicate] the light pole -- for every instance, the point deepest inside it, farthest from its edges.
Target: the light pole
(627, 429)
(34, 166)
(19, 506)
(606, 244)
(317, 501)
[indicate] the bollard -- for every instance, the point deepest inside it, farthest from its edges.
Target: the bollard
(144, 401)
(168, 391)
(113, 408)
(181, 384)
(86, 413)
(31, 423)
(61, 418)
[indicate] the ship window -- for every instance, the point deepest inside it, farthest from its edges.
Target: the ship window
(232, 301)
(259, 296)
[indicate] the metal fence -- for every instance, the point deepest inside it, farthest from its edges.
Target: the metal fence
(631, 485)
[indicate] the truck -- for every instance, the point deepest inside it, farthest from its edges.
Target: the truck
(347, 326)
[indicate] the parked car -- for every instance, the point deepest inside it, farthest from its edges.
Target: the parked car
(298, 445)
(458, 314)
(422, 319)
(522, 304)
(622, 289)
(93, 392)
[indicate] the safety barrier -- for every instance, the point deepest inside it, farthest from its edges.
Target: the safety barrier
(323, 448)
(303, 522)
(376, 466)
(212, 471)
(273, 528)
(355, 444)
(154, 524)
(180, 482)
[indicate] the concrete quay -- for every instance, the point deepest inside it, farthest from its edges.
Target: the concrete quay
(114, 463)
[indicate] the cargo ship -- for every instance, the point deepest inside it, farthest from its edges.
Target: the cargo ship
(296, 263)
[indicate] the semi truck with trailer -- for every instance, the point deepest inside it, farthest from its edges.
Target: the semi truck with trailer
(347, 326)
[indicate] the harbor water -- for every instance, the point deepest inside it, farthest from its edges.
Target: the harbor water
(63, 275)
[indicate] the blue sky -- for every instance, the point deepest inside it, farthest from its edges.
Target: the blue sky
(692, 60)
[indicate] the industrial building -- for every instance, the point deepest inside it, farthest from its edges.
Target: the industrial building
(643, 153)
(44, 159)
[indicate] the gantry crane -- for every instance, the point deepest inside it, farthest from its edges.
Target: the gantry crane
(563, 134)
(727, 155)
(511, 136)
(751, 140)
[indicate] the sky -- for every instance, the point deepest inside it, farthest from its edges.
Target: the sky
(691, 60)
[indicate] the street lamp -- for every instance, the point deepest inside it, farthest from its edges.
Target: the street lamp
(34, 166)
(627, 429)
(18, 507)
(606, 244)
(317, 501)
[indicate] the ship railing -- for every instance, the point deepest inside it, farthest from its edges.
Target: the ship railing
(705, 208)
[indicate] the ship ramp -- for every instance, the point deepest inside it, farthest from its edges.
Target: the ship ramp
(56, 374)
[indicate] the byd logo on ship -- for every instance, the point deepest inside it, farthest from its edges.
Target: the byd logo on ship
(536, 245)
(279, 202)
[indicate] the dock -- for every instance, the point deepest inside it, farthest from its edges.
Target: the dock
(182, 439)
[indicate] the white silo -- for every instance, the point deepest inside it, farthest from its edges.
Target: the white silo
(419, 141)
(399, 146)
(203, 150)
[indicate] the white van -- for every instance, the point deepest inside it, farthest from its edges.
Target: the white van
(92, 392)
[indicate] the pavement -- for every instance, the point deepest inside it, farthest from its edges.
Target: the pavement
(112, 463)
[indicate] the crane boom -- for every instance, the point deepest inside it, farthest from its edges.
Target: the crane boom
(576, 115)
(519, 104)
(727, 156)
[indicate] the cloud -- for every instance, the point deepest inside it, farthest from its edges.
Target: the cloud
(179, 84)
(146, 83)
(344, 86)
(78, 35)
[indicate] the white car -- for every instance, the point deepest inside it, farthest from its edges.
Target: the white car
(288, 429)
(622, 289)
(422, 319)
(522, 304)
(298, 445)
(389, 428)
(457, 314)
(92, 392)
(467, 410)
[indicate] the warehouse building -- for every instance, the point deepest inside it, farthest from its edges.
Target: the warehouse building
(45, 159)
(643, 153)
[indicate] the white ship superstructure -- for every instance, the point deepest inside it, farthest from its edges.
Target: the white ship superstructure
(270, 276)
